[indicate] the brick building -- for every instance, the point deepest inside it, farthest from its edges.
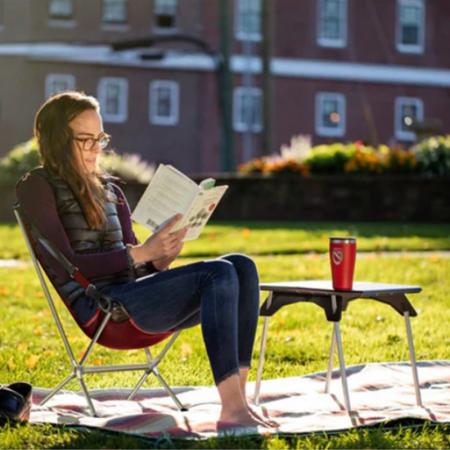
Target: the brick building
(376, 70)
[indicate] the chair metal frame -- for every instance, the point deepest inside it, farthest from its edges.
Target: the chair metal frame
(79, 368)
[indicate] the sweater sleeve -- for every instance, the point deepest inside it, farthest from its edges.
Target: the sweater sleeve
(39, 204)
(129, 237)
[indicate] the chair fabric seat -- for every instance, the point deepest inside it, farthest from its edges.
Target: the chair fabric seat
(122, 336)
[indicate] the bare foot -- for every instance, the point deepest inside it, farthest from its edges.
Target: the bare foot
(239, 419)
(266, 420)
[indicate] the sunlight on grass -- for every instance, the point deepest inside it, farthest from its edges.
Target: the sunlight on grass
(286, 238)
(299, 335)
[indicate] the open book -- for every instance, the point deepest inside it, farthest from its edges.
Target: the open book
(170, 192)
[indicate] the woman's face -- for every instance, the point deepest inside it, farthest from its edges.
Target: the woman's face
(88, 138)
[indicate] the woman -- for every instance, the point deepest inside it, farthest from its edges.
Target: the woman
(78, 208)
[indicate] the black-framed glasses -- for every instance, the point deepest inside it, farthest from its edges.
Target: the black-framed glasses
(88, 143)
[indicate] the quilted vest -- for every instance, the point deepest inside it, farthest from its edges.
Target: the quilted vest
(82, 238)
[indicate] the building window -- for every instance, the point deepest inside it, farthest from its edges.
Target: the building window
(410, 26)
(247, 107)
(332, 23)
(330, 114)
(113, 98)
(248, 20)
(60, 9)
(2, 7)
(114, 11)
(408, 111)
(58, 82)
(165, 14)
(164, 102)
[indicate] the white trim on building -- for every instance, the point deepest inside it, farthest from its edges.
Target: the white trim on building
(283, 67)
(404, 119)
(410, 13)
(164, 102)
(327, 19)
(247, 109)
(58, 82)
(330, 114)
(112, 93)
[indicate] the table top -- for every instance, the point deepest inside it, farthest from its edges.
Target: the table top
(325, 287)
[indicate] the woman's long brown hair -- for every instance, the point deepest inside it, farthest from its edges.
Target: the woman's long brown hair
(54, 136)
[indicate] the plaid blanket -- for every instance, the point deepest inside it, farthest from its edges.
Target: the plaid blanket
(379, 392)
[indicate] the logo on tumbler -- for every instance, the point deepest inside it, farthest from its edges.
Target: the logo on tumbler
(337, 256)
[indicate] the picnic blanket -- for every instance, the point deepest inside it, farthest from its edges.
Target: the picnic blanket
(379, 392)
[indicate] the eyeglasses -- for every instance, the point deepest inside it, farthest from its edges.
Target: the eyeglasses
(88, 144)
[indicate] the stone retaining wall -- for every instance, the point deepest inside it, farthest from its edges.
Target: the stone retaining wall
(317, 198)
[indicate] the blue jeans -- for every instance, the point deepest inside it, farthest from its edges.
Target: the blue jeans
(221, 294)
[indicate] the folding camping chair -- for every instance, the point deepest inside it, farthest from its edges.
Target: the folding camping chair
(102, 329)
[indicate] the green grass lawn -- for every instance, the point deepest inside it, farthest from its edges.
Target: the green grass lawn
(265, 238)
(298, 339)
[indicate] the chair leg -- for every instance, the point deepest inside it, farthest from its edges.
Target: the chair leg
(58, 388)
(153, 363)
(86, 394)
(261, 361)
(330, 362)
(172, 394)
(412, 357)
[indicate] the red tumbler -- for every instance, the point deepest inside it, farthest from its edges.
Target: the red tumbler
(342, 259)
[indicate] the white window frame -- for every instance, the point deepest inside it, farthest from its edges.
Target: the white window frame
(411, 48)
(122, 115)
(321, 129)
(174, 90)
(51, 78)
(107, 21)
(240, 33)
(2, 14)
(68, 16)
(157, 12)
(340, 42)
(401, 134)
(238, 124)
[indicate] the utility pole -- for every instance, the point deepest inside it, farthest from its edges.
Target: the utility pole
(227, 157)
(266, 47)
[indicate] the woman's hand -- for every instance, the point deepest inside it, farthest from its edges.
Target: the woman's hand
(162, 247)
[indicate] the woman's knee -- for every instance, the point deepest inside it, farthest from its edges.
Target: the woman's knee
(222, 271)
(242, 263)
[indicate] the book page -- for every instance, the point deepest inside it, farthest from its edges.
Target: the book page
(168, 193)
(200, 211)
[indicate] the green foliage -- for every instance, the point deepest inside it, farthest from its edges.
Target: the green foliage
(430, 157)
(329, 159)
(433, 155)
(25, 156)
(128, 167)
(18, 161)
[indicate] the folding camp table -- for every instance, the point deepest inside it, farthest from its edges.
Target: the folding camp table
(322, 294)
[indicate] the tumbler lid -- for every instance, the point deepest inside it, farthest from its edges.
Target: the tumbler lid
(343, 240)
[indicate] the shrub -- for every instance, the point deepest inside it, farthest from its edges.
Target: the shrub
(24, 157)
(127, 167)
(18, 161)
(274, 164)
(329, 159)
(433, 155)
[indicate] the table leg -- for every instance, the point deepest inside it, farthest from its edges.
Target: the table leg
(337, 332)
(261, 360)
(412, 357)
(330, 362)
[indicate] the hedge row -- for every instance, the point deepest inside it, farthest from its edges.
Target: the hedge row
(429, 157)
